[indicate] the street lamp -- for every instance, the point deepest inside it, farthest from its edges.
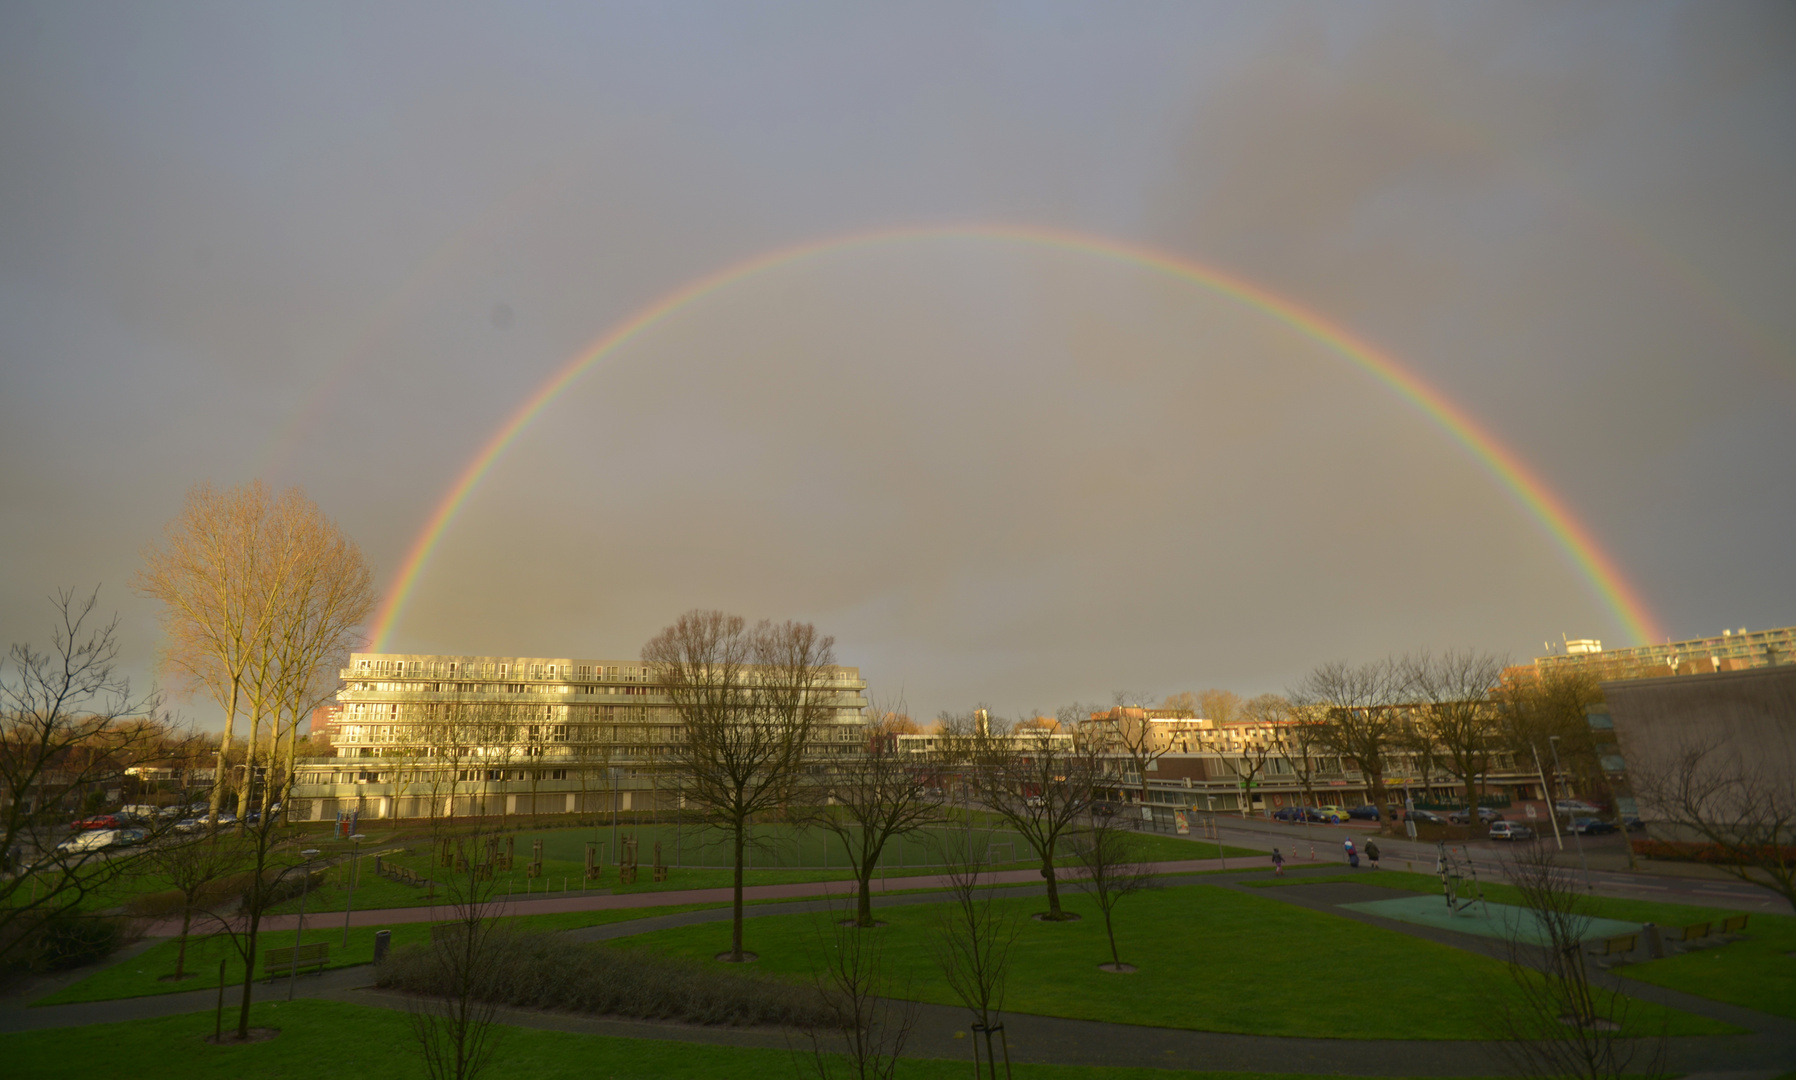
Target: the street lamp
(305, 887)
(354, 873)
(1577, 837)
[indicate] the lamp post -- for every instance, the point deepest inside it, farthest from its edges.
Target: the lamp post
(299, 935)
(1211, 800)
(1577, 837)
(1547, 790)
(354, 873)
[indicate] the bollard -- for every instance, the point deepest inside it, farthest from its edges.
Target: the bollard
(383, 939)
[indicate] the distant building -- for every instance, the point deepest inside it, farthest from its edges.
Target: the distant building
(1732, 650)
(422, 736)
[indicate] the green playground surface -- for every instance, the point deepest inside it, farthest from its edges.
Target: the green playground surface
(1503, 921)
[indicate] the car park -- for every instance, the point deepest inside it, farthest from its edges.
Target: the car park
(1367, 812)
(1510, 830)
(1590, 826)
(1426, 817)
(190, 825)
(98, 821)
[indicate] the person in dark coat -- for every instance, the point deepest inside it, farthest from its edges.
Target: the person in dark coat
(1372, 853)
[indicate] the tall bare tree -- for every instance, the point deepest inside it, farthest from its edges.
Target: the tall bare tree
(261, 596)
(1127, 732)
(1733, 810)
(872, 796)
(1359, 701)
(748, 700)
(1041, 783)
(972, 942)
(457, 1029)
(69, 728)
(1452, 707)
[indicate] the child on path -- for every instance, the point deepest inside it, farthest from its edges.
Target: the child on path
(1278, 863)
(1352, 854)
(1372, 853)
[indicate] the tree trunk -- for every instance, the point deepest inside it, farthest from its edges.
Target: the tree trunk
(218, 775)
(1047, 871)
(249, 972)
(181, 950)
(1110, 929)
(736, 900)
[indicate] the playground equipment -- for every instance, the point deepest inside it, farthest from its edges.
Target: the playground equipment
(1456, 874)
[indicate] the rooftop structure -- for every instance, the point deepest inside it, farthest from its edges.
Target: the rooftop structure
(1731, 650)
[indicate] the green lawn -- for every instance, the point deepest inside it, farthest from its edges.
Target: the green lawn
(1289, 970)
(789, 856)
(1757, 972)
(327, 1038)
(140, 975)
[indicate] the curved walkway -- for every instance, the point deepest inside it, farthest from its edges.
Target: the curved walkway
(941, 1031)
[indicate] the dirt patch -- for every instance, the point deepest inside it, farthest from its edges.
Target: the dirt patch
(1065, 916)
(747, 957)
(1118, 969)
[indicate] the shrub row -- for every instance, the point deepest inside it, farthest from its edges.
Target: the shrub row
(546, 971)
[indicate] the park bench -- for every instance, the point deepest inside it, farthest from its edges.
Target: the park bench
(1733, 924)
(1694, 932)
(276, 962)
(1617, 945)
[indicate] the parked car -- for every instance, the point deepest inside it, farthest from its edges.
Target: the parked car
(100, 839)
(1334, 815)
(1591, 826)
(1511, 830)
(1101, 809)
(1573, 806)
(99, 821)
(1288, 813)
(1485, 816)
(1425, 817)
(1367, 812)
(1634, 824)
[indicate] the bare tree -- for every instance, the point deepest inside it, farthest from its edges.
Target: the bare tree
(1299, 741)
(972, 942)
(1111, 870)
(748, 700)
(1127, 731)
(872, 796)
(1452, 708)
(1359, 701)
(261, 596)
(457, 1031)
(1731, 811)
(69, 728)
(1041, 783)
(872, 1021)
(194, 867)
(268, 856)
(1556, 1024)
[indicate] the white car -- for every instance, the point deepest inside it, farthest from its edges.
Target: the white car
(99, 839)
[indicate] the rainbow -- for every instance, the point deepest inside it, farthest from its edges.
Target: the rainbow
(1595, 565)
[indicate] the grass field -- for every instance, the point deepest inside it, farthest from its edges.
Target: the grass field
(327, 1038)
(1291, 971)
(140, 975)
(786, 856)
(1606, 907)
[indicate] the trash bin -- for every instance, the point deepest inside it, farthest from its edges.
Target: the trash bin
(382, 940)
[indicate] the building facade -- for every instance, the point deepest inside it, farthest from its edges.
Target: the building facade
(1731, 650)
(418, 736)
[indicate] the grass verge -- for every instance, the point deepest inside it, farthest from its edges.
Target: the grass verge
(1290, 971)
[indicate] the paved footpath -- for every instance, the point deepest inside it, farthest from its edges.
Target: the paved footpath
(941, 1032)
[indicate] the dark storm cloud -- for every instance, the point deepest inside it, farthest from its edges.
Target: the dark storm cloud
(349, 241)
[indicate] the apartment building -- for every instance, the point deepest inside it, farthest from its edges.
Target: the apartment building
(429, 735)
(1730, 650)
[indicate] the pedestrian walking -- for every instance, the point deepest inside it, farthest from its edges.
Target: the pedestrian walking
(1278, 863)
(1352, 854)
(1372, 853)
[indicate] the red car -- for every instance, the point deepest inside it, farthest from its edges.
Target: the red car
(101, 821)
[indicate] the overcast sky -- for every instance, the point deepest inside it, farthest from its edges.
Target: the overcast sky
(337, 245)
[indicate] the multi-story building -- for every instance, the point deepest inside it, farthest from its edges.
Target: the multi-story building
(1731, 650)
(425, 736)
